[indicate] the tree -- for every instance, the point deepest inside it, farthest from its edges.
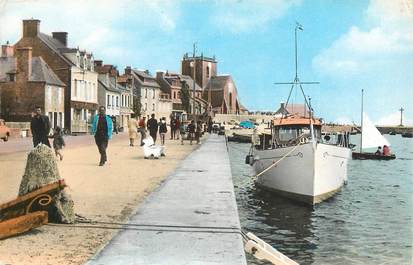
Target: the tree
(185, 97)
(137, 105)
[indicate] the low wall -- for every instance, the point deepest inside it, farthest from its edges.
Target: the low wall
(258, 118)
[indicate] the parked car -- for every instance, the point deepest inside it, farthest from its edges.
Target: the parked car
(4, 131)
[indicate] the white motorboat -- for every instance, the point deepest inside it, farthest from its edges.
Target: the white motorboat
(308, 169)
(295, 160)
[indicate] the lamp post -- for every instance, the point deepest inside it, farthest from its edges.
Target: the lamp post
(401, 116)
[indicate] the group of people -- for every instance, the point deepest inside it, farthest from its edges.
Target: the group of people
(40, 128)
(178, 129)
(385, 152)
(103, 127)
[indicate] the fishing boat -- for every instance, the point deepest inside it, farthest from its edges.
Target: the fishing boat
(295, 161)
(370, 138)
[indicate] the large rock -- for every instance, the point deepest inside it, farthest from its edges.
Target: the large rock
(41, 169)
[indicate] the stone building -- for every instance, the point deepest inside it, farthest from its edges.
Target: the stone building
(148, 91)
(26, 82)
(222, 94)
(219, 91)
(205, 68)
(109, 95)
(75, 68)
(172, 84)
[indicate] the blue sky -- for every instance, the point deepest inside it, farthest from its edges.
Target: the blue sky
(345, 45)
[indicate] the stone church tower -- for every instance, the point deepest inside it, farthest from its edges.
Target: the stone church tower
(205, 68)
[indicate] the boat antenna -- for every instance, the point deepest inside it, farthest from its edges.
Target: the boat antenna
(361, 126)
(296, 82)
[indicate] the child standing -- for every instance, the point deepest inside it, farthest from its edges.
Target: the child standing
(58, 142)
(163, 130)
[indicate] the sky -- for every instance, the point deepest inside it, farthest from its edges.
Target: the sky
(345, 45)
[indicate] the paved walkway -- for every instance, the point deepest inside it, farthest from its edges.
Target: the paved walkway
(191, 218)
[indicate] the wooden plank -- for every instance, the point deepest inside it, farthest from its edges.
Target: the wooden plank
(22, 224)
(36, 200)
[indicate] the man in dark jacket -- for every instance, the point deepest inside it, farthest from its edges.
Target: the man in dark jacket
(40, 127)
(153, 127)
(102, 128)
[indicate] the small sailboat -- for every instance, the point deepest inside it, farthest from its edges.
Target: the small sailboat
(370, 138)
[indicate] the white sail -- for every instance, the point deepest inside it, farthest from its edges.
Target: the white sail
(371, 136)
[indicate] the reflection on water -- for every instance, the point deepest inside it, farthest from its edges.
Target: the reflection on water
(368, 222)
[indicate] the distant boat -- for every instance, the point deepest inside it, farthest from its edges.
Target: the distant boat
(370, 138)
(392, 133)
(408, 135)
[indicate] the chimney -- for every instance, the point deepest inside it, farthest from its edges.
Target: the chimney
(159, 75)
(282, 105)
(98, 62)
(31, 28)
(7, 50)
(60, 36)
(24, 62)
(128, 70)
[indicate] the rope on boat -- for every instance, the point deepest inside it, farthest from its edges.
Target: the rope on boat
(277, 162)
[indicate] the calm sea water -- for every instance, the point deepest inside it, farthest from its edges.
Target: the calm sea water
(368, 222)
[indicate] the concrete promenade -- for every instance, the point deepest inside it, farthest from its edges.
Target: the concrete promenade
(192, 218)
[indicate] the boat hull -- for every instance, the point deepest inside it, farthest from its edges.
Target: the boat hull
(371, 156)
(308, 174)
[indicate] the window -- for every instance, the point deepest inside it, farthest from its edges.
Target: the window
(207, 72)
(146, 106)
(117, 101)
(146, 93)
(108, 101)
(153, 93)
(179, 94)
(174, 94)
(122, 103)
(153, 107)
(113, 101)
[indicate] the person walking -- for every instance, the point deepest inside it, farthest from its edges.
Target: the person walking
(177, 128)
(153, 127)
(102, 128)
(58, 142)
(162, 130)
(40, 127)
(182, 131)
(142, 128)
(132, 130)
(115, 124)
(198, 132)
(191, 131)
(172, 125)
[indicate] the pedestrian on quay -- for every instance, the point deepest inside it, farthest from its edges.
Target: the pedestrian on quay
(198, 132)
(182, 131)
(132, 130)
(142, 128)
(191, 131)
(58, 142)
(177, 128)
(172, 125)
(162, 130)
(40, 127)
(102, 128)
(115, 125)
(153, 127)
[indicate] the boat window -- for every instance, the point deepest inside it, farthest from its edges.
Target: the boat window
(286, 134)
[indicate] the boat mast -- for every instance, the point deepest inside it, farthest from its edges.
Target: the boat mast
(361, 138)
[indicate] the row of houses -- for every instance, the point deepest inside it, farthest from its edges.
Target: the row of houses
(70, 84)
